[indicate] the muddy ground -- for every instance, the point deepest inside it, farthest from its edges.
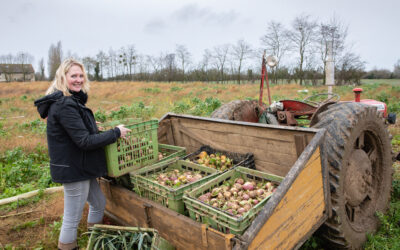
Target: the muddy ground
(35, 225)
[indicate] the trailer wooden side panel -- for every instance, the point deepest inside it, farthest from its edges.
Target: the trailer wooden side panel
(129, 209)
(275, 149)
(300, 210)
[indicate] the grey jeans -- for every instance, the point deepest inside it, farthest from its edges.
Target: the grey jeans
(75, 196)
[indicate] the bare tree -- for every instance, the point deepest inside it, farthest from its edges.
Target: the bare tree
(90, 64)
(112, 63)
(184, 57)
(170, 66)
(24, 59)
(350, 68)
(157, 63)
(302, 37)
(207, 56)
(7, 59)
(127, 59)
(55, 57)
(378, 74)
(312, 70)
(396, 69)
(70, 54)
(143, 67)
(276, 43)
(101, 58)
(240, 52)
(220, 57)
(40, 70)
(333, 32)
(152, 61)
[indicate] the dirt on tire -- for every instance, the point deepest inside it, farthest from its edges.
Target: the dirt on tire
(359, 156)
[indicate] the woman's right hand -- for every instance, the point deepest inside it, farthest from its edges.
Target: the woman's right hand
(123, 130)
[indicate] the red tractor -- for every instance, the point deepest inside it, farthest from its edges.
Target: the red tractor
(359, 154)
(287, 112)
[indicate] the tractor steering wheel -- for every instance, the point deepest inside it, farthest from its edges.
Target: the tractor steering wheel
(329, 98)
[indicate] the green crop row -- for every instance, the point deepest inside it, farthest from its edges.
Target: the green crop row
(196, 106)
(21, 172)
(136, 110)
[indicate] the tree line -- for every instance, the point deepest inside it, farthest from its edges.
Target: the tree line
(301, 50)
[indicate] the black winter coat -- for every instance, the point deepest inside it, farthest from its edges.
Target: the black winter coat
(75, 144)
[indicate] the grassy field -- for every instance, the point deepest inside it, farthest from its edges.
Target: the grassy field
(381, 81)
(23, 148)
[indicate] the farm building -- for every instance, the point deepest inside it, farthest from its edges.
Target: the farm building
(16, 72)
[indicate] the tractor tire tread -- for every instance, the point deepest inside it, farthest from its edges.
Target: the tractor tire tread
(340, 121)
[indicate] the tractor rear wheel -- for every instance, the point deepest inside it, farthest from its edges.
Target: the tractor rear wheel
(360, 172)
(239, 110)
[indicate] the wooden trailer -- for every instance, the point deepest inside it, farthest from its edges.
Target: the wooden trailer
(298, 207)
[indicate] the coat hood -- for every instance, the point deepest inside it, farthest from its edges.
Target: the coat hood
(43, 104)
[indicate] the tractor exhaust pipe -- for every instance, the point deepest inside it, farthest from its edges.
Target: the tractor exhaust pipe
(357, 94)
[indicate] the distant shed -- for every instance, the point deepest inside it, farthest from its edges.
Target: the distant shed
(16, 72)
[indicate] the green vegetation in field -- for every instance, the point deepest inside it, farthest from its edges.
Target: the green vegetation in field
(278, 98)
(343, 90)
(380, 81)
(218, 87)
(175, 89)
(181, 107)
(53, 233)
(7, 99)
(28, 224)
(15, 110)
(21, 173)
(395, 89)
(54, 229)
(3, 132)
(100, 115)
(138, 110)
(383, 97)
(152, 90)
(394, 106)
(23, 202)
(372, 86)
(396, 140)
(392, 102)
(196, 106)
(312, 243)
(36, 126)
(301, 95)
(388, 235)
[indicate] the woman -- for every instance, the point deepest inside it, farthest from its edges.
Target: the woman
(75, 147)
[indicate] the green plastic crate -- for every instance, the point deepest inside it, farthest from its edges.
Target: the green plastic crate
(170, 151)
(157, 242)
(169, 197)
(217, 218)
(139, 149)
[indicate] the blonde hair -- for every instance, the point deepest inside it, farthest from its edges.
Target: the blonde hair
(60, 79)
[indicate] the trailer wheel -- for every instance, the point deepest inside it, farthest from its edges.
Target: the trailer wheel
(360, 172)
(239, 110)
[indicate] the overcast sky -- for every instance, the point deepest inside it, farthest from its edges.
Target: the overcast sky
(86, 26)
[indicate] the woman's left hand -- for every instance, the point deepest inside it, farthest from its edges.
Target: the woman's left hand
(123, 130)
